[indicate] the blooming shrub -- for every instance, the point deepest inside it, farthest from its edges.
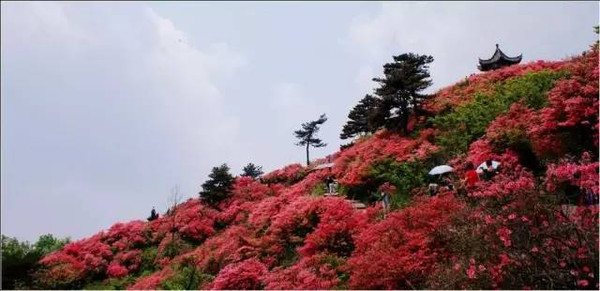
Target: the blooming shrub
(123, 236)
(116, 270)
(565, 173)
(192, 220)
(287, 175)
(521, 240)
(319, 272)
(353, 164)
(74, 262)
(244, 275)
(153, 281)
(264, 211)
(398, 253)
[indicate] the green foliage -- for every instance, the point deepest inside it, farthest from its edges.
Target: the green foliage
(188, 277)
(319, 190)
(251, 170)
(171, 249)
(518, 141)
(111, 284)
(469, 121)
(19, 259)
(99, 285)
(405, 176)
(290, 256)
(359, 118)
(148, 260)
(218, 187)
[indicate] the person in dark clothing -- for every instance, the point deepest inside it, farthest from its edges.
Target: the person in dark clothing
(572, 193)
(433, 189)
(153, 215)
(330, 184)
(489, 171)
(446, 182)
(589, 198)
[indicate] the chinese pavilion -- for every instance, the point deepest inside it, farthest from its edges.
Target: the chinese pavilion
(498, 60)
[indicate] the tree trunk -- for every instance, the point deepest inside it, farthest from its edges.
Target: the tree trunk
(307, 160)
(404, 115)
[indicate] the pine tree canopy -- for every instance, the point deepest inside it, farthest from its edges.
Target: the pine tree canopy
(308, 135)
(218, 187)
(359, 117)
(250, 170)
(400, 91)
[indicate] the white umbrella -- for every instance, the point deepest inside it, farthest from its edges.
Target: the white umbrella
(440, 170)
(483, 166)
(323, 166)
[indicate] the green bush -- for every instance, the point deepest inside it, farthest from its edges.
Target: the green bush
(19, 259)
(188, 277)
(111, 284)
(148, 260)
(405, 176)
(468, 122)
(319, 190)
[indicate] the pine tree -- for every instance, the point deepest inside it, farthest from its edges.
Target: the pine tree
(308, 135)
(359, 117)
(218, 187)
(400, 91)
(250, 170)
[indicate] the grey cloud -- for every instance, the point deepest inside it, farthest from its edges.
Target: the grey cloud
(123, 107)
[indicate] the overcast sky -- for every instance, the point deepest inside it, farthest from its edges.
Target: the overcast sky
(106, 106)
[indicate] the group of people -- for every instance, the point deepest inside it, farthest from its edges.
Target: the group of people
(445, 182)
(472, 176)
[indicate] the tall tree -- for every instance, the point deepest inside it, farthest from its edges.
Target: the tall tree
(308, 135)
(400, 90)
(360, 116)
(218, 187)
(251, 170)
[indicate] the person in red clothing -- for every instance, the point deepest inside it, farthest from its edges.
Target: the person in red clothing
(471, 176)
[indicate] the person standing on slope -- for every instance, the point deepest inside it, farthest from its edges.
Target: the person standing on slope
(386, 190)
(471, 176)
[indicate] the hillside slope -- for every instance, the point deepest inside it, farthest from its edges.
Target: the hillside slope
(540, 120)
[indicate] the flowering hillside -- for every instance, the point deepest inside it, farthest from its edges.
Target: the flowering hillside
(514, 231)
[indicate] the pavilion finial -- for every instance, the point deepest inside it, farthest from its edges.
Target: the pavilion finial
(497, 46)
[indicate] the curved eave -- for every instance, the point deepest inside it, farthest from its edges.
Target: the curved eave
(516, 59)
(503, 57)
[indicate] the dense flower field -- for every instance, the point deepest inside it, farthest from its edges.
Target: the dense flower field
(513, 231)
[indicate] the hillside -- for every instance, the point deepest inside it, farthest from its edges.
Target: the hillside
(539, 120)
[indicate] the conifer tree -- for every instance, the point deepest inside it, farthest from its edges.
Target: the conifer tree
(251, 170)
(400, 91)
(218, 187)
(360, 116)
(308, 135)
